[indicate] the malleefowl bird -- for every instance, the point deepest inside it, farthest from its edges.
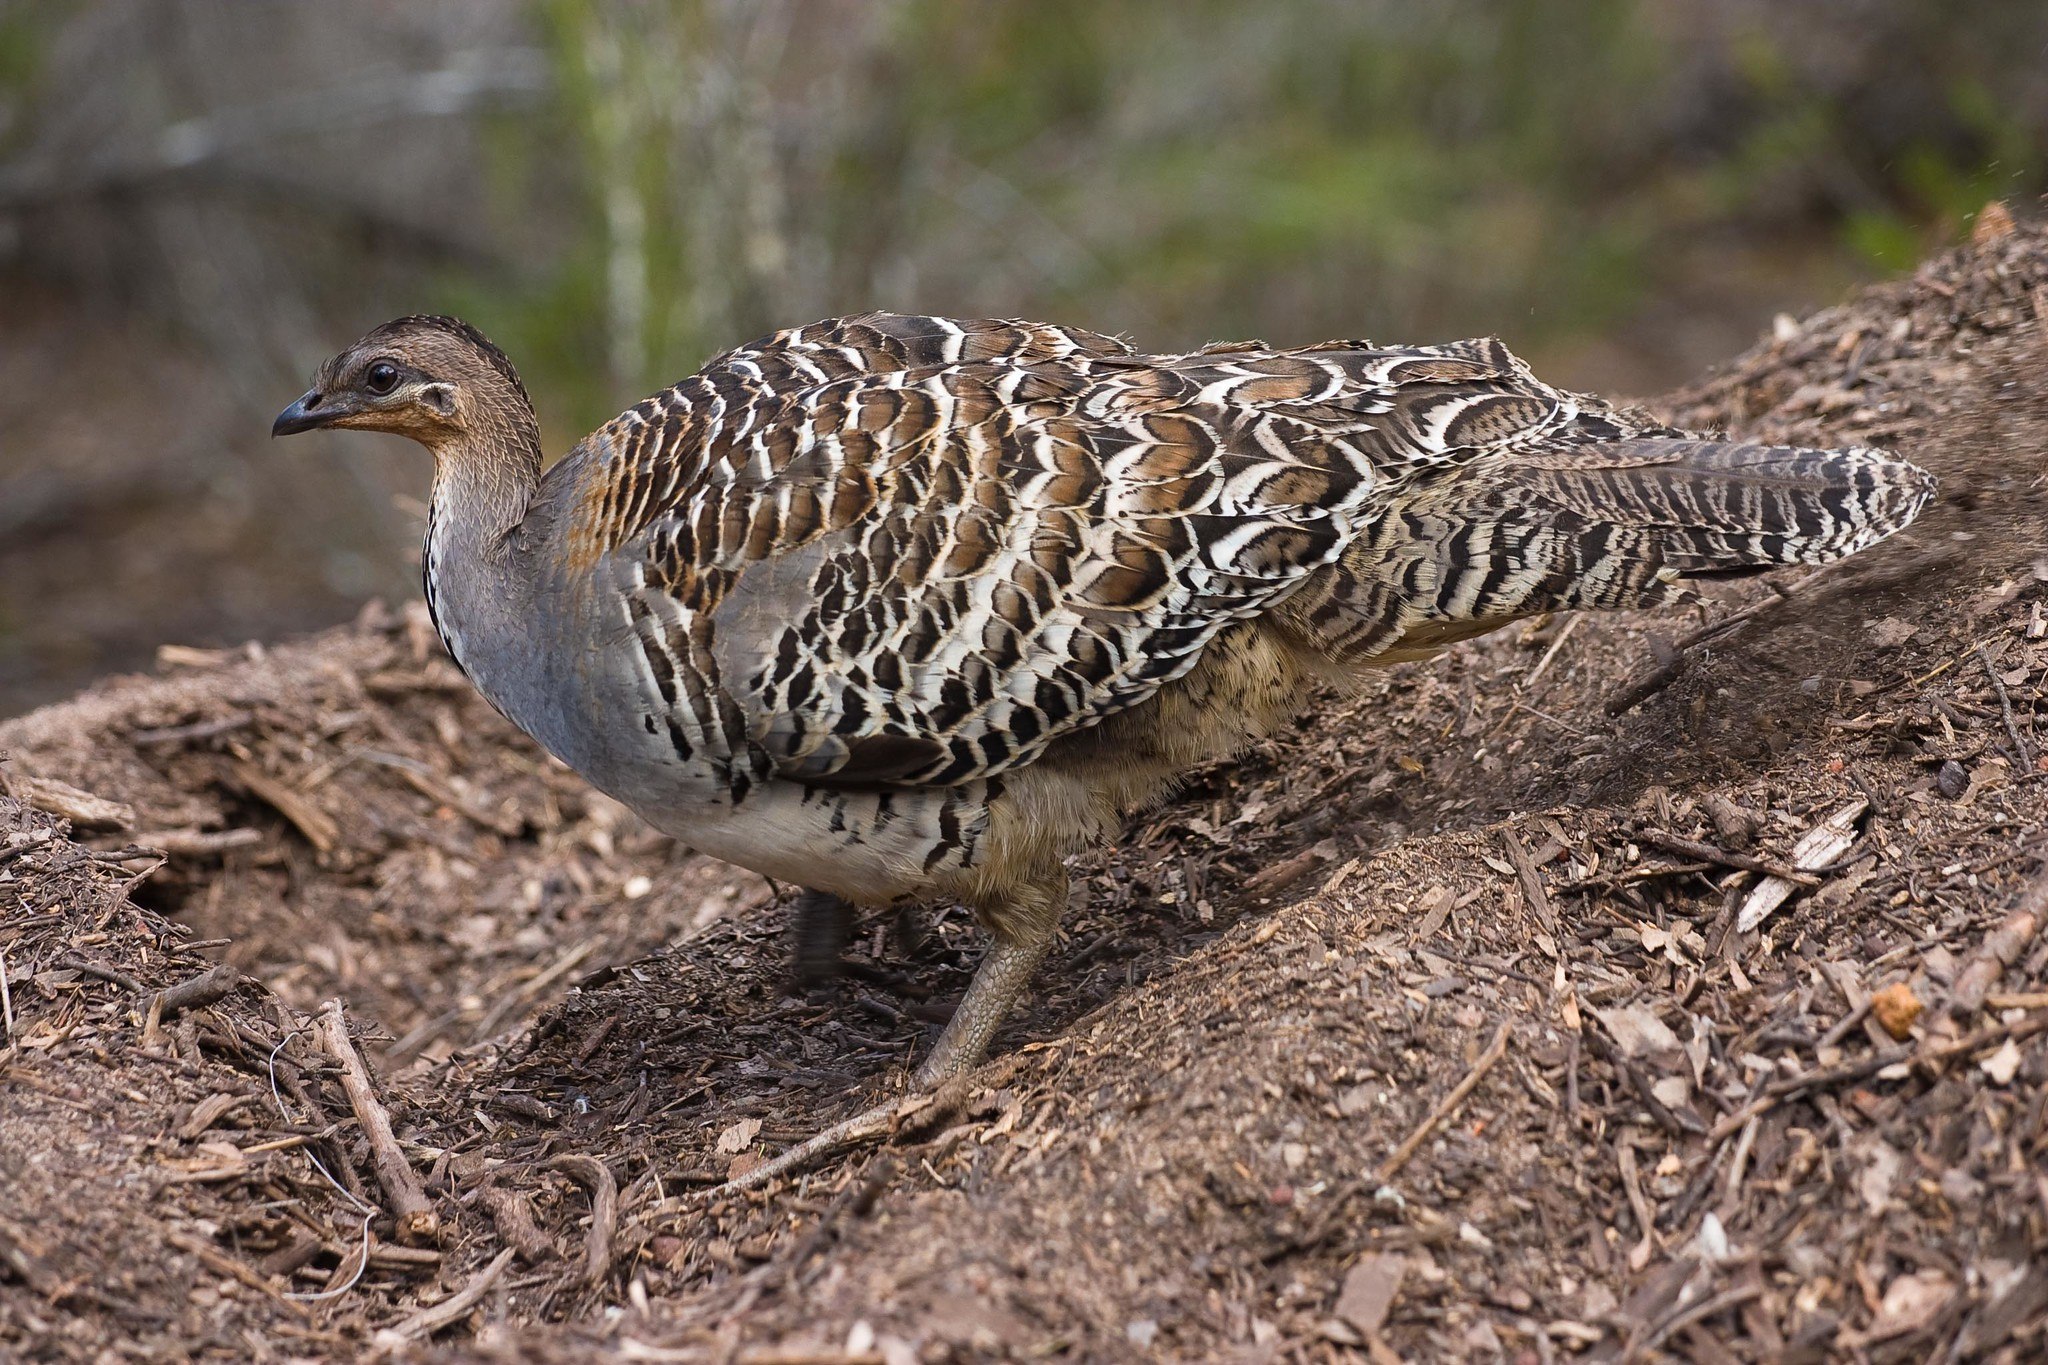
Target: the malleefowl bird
(906, 608)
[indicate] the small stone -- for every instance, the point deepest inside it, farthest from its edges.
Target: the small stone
(1896, 1008)
(1354, 1100)
(1952, 780)
(1713, 1241)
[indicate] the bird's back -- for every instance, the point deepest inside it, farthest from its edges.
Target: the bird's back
(902, 553)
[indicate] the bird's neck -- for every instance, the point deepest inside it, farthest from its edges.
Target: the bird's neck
(478, 568)
(486, 477)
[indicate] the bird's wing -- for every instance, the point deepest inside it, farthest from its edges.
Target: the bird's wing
(880, 562)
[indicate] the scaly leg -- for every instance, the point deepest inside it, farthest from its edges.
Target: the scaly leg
(1023, 936)
(1001, 978)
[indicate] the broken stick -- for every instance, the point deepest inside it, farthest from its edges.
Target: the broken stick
(207, 988)
(1393, 1164)
(417, 1221)
(430, 1320)
(1817, 848)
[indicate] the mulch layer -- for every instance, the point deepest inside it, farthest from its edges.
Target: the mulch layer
(1653, 987)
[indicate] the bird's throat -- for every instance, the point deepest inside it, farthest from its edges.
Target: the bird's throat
(474, 574)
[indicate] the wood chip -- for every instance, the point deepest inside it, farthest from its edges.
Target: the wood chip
(316, 824)
(61, 799)
(1370, 1287)
(1825, 843)
(1637, 1031)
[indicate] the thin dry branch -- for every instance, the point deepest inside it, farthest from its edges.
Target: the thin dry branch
(430, 1320)
(2001, 948)
(208, 987)
(417, 1221)
(1393, 1164)
(1532, 881)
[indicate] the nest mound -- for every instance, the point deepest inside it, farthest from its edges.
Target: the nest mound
(1437, 1026)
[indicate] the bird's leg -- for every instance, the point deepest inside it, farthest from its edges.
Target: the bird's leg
(1023, 925)
(1023, 930)
(1001, 978)
(822, 925)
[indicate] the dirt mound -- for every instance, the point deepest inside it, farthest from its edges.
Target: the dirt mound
(1435, 1027)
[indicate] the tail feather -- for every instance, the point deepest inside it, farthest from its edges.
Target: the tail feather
(1607, 524)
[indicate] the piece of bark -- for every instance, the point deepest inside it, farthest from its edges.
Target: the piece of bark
(81, 808)
(512, 1214)
(316, 824)
(1825, 843)
(2001, 948)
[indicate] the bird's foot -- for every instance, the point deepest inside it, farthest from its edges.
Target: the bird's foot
(919, 1111)
(942, 1083)
(997, 983)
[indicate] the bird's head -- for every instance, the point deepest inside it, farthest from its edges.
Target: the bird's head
(437, 380)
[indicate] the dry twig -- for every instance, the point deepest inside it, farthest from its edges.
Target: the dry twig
(1694, 848)
(209, 986)
(604, 1211)
(430, 1320)
(1532, 881)
(1393, 1164)
(224, 1264)
(316, 824)
(417, 1221)
(2001, 948)
(2023, 757)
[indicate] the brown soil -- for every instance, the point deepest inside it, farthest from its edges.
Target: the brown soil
(1472, 893)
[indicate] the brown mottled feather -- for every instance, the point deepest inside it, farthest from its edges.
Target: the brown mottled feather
(917, 551)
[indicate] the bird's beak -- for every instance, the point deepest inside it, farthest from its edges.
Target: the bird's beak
(308, 414)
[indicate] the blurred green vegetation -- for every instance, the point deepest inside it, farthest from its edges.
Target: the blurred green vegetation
(1203, 169)
(202, 199)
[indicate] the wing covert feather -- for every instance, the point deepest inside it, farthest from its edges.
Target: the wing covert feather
(916, 551)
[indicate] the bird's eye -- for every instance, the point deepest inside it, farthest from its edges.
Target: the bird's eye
(382, 378)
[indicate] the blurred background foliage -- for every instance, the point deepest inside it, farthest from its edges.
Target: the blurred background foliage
(200, 199)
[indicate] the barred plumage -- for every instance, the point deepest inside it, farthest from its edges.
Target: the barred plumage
(898, 607)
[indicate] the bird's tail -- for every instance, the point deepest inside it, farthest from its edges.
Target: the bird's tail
(1595, 524)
